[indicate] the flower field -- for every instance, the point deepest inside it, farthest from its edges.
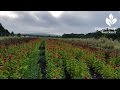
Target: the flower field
(45, 58)
(18, 58)
(76, 61)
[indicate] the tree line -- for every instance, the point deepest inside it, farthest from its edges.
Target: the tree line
(97, 34)
(5, 32)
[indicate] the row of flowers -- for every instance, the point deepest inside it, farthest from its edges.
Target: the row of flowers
(19, 60)
(111, 57)
(104, 62)
(77, 60)
(64, 61)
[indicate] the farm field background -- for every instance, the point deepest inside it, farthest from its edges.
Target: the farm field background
(59, 58)
(59, 45)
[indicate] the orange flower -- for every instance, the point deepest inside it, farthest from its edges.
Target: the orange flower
(56, 63)
(59, 56)
(4, 59)
(10, 56)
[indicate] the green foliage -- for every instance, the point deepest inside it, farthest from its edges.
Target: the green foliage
(103, 42)
(97, 35)
(108, 72)
(18, 34)
(12, 33)
(20, 61)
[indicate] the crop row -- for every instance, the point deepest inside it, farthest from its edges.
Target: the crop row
(14, 41)
(33, 58)
(63, 61)
(19, 59)
(75, 61)
(109, 56)
(101, 42)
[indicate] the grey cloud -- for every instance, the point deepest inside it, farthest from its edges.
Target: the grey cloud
(44, 19)
(69, 22)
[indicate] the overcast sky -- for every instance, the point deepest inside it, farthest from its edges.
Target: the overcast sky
(56, 22)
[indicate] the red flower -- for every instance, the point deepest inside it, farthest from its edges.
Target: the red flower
(114, 67)
(10, 56)
(59, 56)
(56, 63)
(4, 59)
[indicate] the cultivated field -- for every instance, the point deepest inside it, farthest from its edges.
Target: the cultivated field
(50, 58)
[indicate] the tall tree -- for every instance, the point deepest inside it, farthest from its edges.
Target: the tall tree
(18, 34)
(12, 33)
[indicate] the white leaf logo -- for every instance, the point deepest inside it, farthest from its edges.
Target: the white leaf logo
(111, 20)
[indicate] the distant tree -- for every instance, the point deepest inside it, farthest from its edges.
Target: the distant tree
(12, 33)
(6, 32)
(1, 27)
(72, 35)
(1, 32)
(98, 34)
(118, 32)
(18, 34)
